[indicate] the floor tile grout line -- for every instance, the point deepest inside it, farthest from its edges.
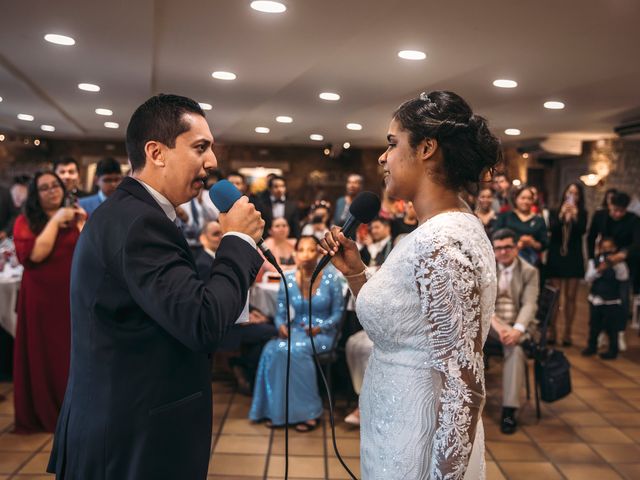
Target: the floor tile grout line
(541, 450)
(24, 464)
(324, 447)
(268, 460)
(222, 422)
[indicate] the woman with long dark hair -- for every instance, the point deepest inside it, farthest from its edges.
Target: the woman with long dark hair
(45, 236)
(565, 263)
(428, 308)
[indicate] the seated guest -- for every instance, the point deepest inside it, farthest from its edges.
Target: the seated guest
(248, 337)
(606, 313)
(274, 203)
(380, 245)
(484, 210)
(45, 236)
(11, 202)
(240, 182)
(516, 307)
(318, 221)
(282, 247)
(529, 227)
(305, 403)
(108, 177)
(401, 227)
(68, 170)
(196, 213)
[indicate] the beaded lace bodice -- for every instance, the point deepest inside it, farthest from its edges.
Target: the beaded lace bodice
(428, 313)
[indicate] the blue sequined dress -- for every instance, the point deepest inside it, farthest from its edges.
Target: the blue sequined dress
(304, 399)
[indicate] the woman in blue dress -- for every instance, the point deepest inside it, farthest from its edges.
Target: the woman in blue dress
(305, 404)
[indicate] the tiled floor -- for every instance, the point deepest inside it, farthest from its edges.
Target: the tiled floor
(592, 434)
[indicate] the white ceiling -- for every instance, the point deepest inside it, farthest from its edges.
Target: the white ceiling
(584, 53)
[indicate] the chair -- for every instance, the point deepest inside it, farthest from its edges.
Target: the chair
(547, 306)
(328, 358)
(635, 320)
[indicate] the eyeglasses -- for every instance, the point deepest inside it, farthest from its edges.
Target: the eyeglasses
(46, 188)
(506, 248)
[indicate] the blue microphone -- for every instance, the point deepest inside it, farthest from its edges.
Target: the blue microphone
(224, 194)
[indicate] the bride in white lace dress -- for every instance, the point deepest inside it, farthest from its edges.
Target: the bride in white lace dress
(428, 308)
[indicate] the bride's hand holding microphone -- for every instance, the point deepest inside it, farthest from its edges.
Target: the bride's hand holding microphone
(343, 252)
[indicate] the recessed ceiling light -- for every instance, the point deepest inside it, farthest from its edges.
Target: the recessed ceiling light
(512, 131)
(262, 130)
(111, 125)
(504, 83)
(354, 126)
(89, 87)
(552, 105)
(26, 117)
(525, 155)
(316, 137)
(47, 128)
(2, 137)
(59, 39)
(266, 6)
(205, 106)
(284, 119)
(516, 183)
(332, 97)
(346, 145)
(220, 75)
(36, 142)
(0, 99)
(412, 54)
(104, 111)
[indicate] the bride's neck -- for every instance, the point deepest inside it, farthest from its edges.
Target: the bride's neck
(432, 198)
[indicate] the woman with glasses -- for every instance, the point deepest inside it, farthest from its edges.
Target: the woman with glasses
(45, 236)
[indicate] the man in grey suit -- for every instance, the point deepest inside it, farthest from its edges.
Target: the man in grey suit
(513, 320)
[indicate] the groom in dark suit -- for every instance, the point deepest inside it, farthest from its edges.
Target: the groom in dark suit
(138, 403)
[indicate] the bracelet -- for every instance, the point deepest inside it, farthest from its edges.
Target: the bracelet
(356, 274)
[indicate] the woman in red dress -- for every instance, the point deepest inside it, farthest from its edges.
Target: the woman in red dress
(45, 236)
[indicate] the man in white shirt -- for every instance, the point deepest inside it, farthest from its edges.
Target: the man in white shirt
(516, 308)
(381, 244)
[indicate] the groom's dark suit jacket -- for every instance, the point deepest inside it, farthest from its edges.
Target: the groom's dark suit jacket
(138, 401)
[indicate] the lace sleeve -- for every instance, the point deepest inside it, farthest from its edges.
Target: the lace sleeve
(449, 292)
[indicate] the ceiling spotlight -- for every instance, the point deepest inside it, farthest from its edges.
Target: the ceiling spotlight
(220, 75)
(111, 125)
(104, 111)
(327, 151)
(266, 6)
(36, 142)
(330, 96)
(0, 99)
(2, 137)
(516, 183)
(412, 54)
(354, 126)
(47, 128)
(89, 87)
(262, 130)
(59, 39)
(284, 119)
(512, 131)
(525, 155)
(316, 137)
(551, 105)
(205, 106)
(346, 145)
(504, 83)
(26, 117)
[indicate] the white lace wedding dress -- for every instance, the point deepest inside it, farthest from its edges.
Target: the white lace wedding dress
(428, 313)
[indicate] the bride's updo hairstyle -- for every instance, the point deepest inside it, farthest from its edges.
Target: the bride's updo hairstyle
(468, 148)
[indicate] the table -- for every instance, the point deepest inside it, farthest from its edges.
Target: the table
(264, 297)
(10, 279)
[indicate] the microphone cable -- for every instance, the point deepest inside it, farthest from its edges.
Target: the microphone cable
(324, 379)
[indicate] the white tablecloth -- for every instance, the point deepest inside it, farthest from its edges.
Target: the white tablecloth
(264, 297)
(10, 279)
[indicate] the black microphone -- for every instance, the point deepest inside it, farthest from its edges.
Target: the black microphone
(223, 195)
(363, 209)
